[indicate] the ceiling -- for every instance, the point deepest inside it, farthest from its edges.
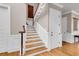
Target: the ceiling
(70, 6)
(66, 6)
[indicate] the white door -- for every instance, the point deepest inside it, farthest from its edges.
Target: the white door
(55, 28)
(4, 28)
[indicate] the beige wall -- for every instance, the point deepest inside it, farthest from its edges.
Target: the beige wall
(43, 19)
(69, 19)
(18, 17)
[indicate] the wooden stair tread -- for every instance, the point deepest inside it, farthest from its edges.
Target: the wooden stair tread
(31, 31)
(4, 54)
(32, 41)
(31, 34)
(32, 37)
(34, 45)
(17, 53)
(35, 50)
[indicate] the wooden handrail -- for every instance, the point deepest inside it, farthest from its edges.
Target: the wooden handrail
(23, 30)
(22, 39)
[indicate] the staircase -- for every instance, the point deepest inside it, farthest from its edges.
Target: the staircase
(34, 44)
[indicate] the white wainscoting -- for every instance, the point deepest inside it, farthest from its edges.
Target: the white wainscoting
(42, 33)
(14, 43)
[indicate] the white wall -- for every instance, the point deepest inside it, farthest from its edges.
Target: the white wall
(67, 36)
(4, 27)
(43, 21)
(42, 28)
(42, 33)
(14, 43)
(64, 28)
(18, 16)
(41, 24)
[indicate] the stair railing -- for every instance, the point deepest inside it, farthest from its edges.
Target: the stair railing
(36, 9)
(22, 32)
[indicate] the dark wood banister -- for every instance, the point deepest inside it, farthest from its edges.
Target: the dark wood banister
(22, 39)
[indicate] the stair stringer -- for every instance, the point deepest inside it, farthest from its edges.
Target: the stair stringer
(42, 33)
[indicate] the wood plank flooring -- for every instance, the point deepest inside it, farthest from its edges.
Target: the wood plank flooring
(67, 49)
(16, 53)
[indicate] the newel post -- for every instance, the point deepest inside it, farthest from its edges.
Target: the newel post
(21, 32)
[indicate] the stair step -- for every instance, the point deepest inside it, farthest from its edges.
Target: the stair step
(31, 31)
(28, 34)
(30, 41)
(34, 45)
(35, 51)
(32, 34)
(32, 37)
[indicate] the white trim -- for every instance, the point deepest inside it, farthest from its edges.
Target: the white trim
(37, 53)
(34, 47)
(72, 11)
(58, 5)
(5, 6)
(34, 43)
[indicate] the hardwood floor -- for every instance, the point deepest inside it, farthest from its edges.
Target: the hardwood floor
(16, 53)
(67, 49)
(3, 54)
